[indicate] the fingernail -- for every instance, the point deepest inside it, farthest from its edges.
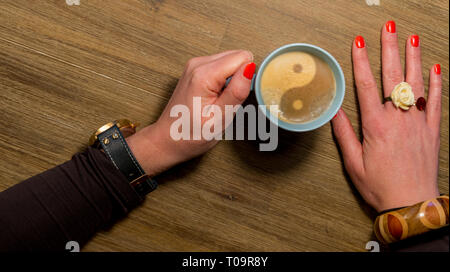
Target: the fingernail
(415, 40)
(390, 27)
(437, 69)
(359, 41)
(249, 70)
(336, 114)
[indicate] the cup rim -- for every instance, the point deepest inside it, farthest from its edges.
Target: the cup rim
(303, 127)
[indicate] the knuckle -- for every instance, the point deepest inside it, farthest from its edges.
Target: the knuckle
(243, 55)
(340, 131)
(435, 81)
(367, 84)
(417, 87)
(395, 76)
(416, 82)
(247, 55)
(436, 84)
(239, 94)
(191, 63)
(376, 127)
(198, 75)
(390, 39)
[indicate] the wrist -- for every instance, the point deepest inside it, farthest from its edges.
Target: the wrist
(152, 150)
(405, 199)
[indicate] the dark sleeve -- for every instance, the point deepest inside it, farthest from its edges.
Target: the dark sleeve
(70, 202)
(433, 241)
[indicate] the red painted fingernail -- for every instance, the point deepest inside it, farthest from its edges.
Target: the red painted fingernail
(390, 27)
(336, 114)
(415, 40)
(437, 69)
(359, 41)
(249, 70)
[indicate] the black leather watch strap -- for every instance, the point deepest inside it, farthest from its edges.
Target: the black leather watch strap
(116, 148)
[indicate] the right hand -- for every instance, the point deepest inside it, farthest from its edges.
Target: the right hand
(397, 163)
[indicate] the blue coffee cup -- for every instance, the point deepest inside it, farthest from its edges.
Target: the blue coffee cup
(326, 116)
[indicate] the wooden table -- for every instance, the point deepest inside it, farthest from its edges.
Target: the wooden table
(66, 70)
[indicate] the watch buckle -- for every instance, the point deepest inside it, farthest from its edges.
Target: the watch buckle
(138, 180)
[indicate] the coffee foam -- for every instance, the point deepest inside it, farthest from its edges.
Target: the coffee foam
(302, 87)
(283, 72)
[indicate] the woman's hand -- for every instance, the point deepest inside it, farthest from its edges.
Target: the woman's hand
(203, 77)
(397, 163)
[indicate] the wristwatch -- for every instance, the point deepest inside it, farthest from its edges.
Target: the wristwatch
(110, 138)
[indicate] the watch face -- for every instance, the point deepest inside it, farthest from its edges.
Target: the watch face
(103, 128)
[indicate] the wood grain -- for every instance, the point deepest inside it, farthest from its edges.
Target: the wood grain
(66, 70)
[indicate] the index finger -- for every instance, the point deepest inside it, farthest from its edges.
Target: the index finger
(197, 61)
(220, 69)
(366, 86)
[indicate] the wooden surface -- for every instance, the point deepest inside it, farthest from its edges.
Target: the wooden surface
(66, 70)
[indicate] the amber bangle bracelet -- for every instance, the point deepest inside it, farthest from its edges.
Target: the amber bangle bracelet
(422, 217)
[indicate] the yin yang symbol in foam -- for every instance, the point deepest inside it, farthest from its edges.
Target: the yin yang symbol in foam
(301, 85)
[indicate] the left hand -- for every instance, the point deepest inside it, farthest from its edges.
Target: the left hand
(203, 77)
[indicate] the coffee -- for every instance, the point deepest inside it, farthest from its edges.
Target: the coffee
(301, 86)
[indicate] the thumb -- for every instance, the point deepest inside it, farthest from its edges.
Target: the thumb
(350, 146)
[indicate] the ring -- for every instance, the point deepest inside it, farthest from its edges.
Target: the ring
(403, 97)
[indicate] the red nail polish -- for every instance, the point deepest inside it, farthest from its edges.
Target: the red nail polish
(249, 70)
(390, 27)
(437, 69)
(415, 40)
(359, 41)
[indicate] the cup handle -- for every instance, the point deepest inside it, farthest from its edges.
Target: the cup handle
(252, 86)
